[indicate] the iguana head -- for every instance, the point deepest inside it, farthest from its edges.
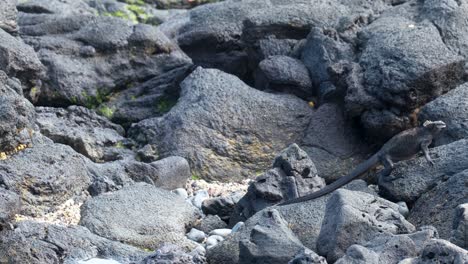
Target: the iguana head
(434, 125)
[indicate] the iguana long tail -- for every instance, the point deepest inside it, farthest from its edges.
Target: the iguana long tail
(372, 162)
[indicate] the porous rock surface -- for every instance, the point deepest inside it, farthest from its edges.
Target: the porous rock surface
(46, 175)
(140, 215)
(223, 127)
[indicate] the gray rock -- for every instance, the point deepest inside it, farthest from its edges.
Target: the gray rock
(270, 46)
(109, 176)
(356, 218)
(270, 241)
(33, 242)
(223, 127)
(441, 251)
(452, 108)
(437, 206)
(181, 192)
(414, 177)
(17, 118)
(86, 132)
(210, 223)
(8, 15)
(99, 261)
(196, 235)
(213, 240)
(92, 57)
(221, 206)
(393, 89)
(322, 49)
(199, 197)
(386, 248)
(332, 142)
(19, 60)
(450, 18)
(403, 209)
(45, 175)
(224, 232)
(284, 74)
(10, 205)
(168, 173)
(173, 254)
(304, 219)
(58, 7)
(293, 175)
(235, 27)
(152, 216)
(460, 227)
(307, 256)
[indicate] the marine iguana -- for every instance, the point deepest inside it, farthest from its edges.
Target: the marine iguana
(402, 146)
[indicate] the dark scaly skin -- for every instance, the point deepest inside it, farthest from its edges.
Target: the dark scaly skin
(402, 146)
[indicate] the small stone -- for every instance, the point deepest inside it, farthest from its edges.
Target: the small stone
(199, 197)
(196, 235)
(236, 227)
(403, 209)
(210, 223)
(181, 192)
(213, 241)
(224, 232)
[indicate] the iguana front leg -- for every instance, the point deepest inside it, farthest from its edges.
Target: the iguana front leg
(424, 147)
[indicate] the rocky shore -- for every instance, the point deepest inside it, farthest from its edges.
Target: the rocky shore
(167, 131)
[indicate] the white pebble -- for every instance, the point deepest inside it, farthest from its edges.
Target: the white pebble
(98, 261)
(181, 192)
(213, 241)
(199, 197)
(403, 209)
(224, 232)
(196, 235)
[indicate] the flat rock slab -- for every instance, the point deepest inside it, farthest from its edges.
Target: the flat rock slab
(414, 177)
(92, 135)
(224, 128)
(140, 215)
(38, 243)
(45, 175)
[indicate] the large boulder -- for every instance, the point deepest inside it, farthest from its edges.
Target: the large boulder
(356, 218)
(237, 27)
(8, 15)
(46, 175)
(412, 178)
(16, 115)
(452, 108)
(437, 206)
(86, 132)
(304, 219)
(152, 216)
(293, 175)
(224, 128)
(40, 243)
(403, 65)
(91, 60)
